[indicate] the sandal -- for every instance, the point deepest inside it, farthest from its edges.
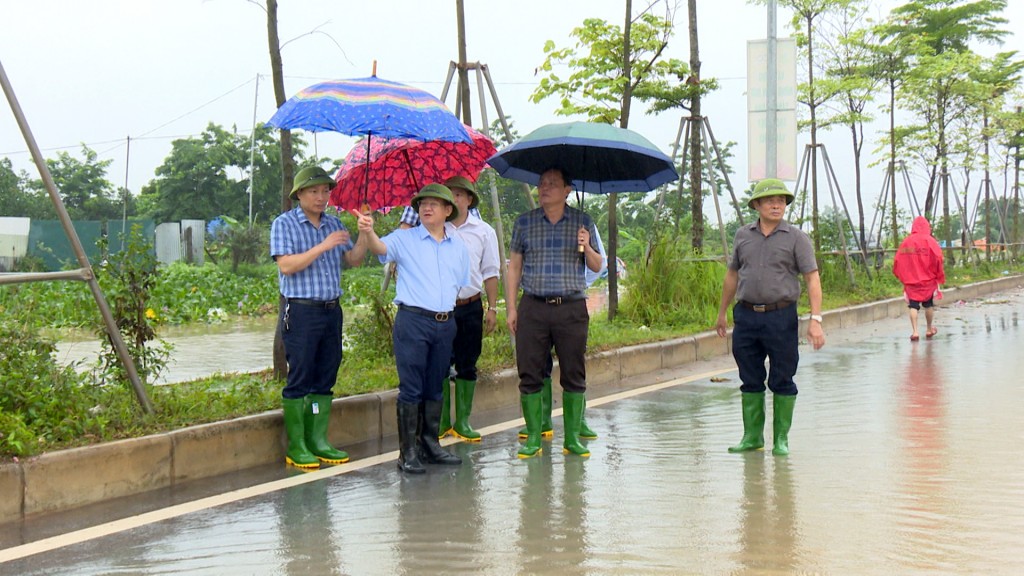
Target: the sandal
(931, 332)
(915, 338)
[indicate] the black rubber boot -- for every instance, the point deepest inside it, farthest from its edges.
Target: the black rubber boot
(430, 448)
(408, 456)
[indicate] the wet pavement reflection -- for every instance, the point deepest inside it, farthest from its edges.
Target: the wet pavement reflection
(904, 461)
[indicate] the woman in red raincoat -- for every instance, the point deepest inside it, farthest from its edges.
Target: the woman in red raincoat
(918, 265)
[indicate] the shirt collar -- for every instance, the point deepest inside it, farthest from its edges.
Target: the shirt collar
(423, 233)
(783, 226)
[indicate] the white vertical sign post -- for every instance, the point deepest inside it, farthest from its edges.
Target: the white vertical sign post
(757, 110)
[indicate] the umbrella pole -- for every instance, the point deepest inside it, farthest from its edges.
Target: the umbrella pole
(369, 165)
(408, 166)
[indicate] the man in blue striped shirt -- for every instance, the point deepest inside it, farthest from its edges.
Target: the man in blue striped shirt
(309, 246)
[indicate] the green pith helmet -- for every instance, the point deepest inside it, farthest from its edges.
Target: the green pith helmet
(310, 176)
(465, 184)
(770, 187)
(440, 192)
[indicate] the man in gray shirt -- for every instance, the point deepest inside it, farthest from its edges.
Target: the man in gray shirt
(762, 276)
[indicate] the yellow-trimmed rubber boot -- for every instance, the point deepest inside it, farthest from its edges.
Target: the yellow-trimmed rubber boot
(318, 420)
(464, 392)
(531, 412)
(585, 432)
(753, 423)
(572, 412)
(547, 430)
(298, 454)
(445, 426)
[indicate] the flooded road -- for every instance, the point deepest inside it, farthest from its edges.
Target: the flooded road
(905, 460)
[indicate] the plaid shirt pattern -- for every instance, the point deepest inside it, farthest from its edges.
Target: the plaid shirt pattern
(552, 263)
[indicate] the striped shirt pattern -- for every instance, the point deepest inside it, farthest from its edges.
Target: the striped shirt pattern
(293, 233)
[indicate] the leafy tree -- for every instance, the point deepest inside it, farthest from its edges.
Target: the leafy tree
(806, 16)
(609, 64)
(195, 180)
(208, 176)
(996, 76)
(847, 61)
(939, 34)
(17, 198)
(83, 186)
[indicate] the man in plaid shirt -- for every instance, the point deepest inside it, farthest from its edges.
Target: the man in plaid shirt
(551, 247)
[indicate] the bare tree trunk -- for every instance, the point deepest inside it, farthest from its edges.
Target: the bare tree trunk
(613, 198)
(857, 145)
(696, 182)
(892, 160)
(287, 165)
(812, 104)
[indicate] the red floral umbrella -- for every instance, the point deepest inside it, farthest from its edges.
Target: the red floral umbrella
(397, 168)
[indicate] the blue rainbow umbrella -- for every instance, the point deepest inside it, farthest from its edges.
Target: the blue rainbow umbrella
(370, 107)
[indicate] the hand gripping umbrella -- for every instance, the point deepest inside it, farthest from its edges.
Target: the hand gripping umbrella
(401, 166)
(370, 107)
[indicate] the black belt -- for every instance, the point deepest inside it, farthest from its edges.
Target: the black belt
(556, 299)
(765, 307)
(464, 301)
(439, 316)
(328, 304)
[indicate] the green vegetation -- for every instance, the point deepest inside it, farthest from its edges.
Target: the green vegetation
(45, 406)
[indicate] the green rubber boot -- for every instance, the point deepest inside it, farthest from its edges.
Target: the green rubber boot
(783, 420)
(753, 423)
(464, 392)
(294, 424)
(318, 419)
(445, 427)
(532, 413)
(585, 432)
(572, 412)
(547, 431)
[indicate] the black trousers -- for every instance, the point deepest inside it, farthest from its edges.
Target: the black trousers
(469, 335)
(542, 326)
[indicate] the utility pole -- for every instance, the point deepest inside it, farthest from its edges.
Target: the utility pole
(771, 109)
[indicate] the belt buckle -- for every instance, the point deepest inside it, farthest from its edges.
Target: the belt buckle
(441, 316)
(758, 307)
(556, 300)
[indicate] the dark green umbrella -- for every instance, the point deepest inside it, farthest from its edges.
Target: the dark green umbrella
(598, 158)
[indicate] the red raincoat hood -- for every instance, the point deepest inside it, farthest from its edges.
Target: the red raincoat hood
(918, 262)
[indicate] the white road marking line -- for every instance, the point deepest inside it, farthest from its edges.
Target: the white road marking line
(124, 524)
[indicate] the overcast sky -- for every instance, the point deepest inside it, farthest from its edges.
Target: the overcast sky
(99, 71)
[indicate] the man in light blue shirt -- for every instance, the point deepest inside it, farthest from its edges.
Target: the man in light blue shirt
(432, 266)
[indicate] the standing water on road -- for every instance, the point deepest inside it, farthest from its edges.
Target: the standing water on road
(904, 461)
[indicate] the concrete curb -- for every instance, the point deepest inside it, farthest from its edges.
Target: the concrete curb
(68, 479)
